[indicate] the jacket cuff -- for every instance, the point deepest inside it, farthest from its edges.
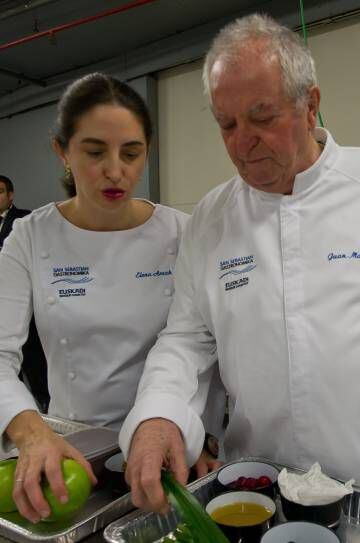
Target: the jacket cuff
(168, 407)
(24, 402)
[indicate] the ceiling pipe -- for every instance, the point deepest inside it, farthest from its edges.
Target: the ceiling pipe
(33, 4)
(52, 31)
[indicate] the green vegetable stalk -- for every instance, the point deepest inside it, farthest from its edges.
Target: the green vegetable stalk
(199, 525)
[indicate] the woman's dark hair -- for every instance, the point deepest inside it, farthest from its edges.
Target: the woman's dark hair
(86, 93)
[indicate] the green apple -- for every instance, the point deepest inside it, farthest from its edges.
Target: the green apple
(7, 478)
(78, 486)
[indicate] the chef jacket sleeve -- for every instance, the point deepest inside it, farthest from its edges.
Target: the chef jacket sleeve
(178, 370)
(15, 314)
(213, 416)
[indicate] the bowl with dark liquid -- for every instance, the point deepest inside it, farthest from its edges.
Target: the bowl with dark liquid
(242, 515)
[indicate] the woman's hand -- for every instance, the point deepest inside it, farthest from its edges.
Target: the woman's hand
(206, 463)
(40, 453)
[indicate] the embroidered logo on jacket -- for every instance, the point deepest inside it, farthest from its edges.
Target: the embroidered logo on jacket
(68, 292)
(239, 266)
(73, 275)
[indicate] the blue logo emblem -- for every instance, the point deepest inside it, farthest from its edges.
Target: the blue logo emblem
(240, 266)
(72, 275)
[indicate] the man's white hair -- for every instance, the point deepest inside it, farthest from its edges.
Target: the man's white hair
(296, 62)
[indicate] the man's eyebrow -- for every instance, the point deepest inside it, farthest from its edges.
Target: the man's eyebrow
(218, 115)
(261, 108)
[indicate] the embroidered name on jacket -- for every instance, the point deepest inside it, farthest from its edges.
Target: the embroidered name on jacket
(241, 265)
(343, 256)
(157, 273)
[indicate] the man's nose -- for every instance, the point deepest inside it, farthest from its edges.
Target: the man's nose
(246, 139)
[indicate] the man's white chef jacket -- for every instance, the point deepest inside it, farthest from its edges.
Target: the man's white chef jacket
(92, 294)
(275, 279)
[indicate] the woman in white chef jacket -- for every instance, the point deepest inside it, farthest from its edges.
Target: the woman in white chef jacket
(96, 270)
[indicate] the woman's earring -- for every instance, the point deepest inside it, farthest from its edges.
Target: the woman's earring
(67, 171)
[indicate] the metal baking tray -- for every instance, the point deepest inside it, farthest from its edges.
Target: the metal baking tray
(138, 527)
(101, 508)
(64, 426)
(96, 443)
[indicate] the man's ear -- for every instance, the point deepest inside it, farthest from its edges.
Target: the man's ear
(59, 151)
(11, 196)
(313, 106)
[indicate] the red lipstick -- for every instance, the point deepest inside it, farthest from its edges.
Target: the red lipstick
(113, 193)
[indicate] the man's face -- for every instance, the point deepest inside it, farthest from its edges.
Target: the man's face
(268, 137)
(6, 197)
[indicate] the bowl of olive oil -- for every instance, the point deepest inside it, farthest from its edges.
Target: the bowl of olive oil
(242, 515)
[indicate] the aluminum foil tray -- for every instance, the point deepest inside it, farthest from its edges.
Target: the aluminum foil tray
(63, 426)
(138, 527)
(101, 508)
(60, 426)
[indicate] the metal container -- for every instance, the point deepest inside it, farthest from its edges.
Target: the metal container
(138, 527)
(97, 444)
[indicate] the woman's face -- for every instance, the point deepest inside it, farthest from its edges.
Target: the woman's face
(107, 155)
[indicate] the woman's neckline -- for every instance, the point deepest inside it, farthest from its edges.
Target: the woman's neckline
(139, 224)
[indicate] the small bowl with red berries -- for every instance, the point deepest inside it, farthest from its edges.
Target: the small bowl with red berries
(248, 475)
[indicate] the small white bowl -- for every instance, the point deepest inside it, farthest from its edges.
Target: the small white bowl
(115, 475)
(228, 475)
(300, 532)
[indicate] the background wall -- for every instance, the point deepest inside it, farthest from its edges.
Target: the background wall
(191, 151)
(27, 158)
(336, 49)
(192, 155)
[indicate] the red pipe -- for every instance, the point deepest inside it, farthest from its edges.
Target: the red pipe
(78, 22)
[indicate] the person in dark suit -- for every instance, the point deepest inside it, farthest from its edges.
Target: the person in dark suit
(34, 366)
(8, 211)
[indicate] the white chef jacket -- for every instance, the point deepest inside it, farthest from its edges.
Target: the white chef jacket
(92, 294)
(275, 279)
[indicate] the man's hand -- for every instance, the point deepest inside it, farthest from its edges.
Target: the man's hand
(40, 453)
(156, 443)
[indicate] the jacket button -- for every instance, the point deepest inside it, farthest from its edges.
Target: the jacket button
(72, 416)
(170, 251)
(51, 300)
(167, 292)
(72, 375)
(44, 254)
(63, 341)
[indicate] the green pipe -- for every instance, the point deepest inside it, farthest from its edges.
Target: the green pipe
(304, 31)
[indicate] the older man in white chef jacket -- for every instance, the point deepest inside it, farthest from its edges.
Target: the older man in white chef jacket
(269, 272)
